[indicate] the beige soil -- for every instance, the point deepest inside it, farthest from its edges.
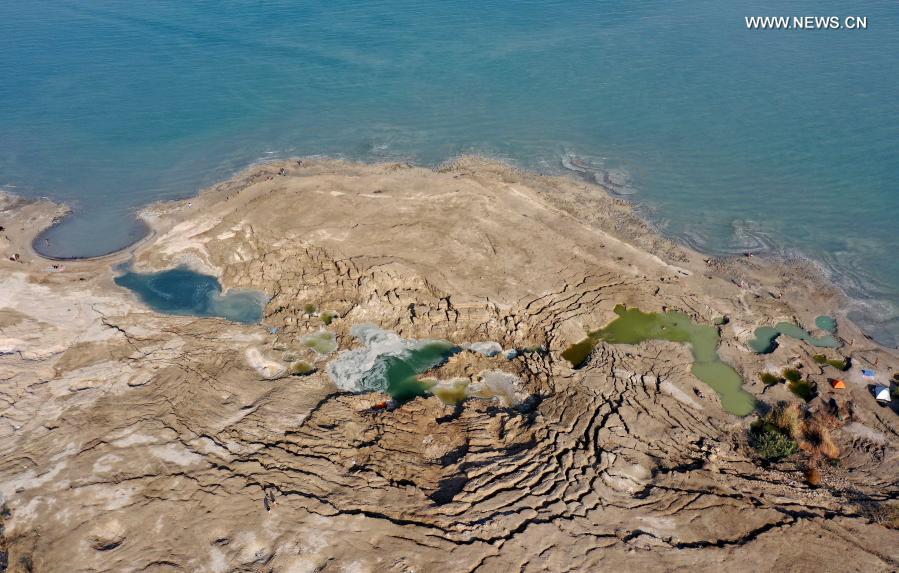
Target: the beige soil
(134, 441)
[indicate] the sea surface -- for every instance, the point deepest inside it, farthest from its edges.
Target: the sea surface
(731, 139)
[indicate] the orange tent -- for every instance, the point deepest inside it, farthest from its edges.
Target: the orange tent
(838, 384)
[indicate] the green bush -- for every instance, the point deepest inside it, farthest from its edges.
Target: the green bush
(772, 445)
(770, 379)
(301, 368)
(838, 363)
(792, 375)
(803, 388)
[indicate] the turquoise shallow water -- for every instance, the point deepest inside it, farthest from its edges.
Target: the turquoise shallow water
(186, 292)
(729, 139)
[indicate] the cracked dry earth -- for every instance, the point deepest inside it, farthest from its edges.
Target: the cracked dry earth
(135, 441)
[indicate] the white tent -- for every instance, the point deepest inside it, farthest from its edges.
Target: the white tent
(882, 393)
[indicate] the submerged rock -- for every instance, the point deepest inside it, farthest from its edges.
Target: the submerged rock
(485, 348)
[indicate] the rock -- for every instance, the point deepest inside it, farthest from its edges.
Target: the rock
(108, 536)
(267, 368)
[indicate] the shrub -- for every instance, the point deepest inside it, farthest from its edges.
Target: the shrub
(803, 388)
(788, 419)
(772, 445)
(838, 363)
(786, 429)
(301, 368)
(842, 364)
(818, 442)
(813, 476)
(770, 379)
(792, 375)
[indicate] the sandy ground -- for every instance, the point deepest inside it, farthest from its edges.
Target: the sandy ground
(133, 441)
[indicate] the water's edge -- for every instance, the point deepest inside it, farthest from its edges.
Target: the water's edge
(775, 256)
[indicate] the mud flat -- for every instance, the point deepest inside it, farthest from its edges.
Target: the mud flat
(132, 439)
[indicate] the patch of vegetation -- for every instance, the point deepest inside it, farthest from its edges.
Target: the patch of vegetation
(787, 429)
(840, 364)
(792, 375)
(772, 444)
(813, 476)
(770, 379)
(816, 438)
(301, 368)
(804, 389)
(327, 317)
(788, 418)
(309, 308)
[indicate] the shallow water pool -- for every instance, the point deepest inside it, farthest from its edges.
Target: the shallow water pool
(634, 326)
(388, 363)
(182, 291)
(765, 341)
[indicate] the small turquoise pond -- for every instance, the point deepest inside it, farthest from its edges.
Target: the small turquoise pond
(827, 323)
(765, 340)
(182, 291)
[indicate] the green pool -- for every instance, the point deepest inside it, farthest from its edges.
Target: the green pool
(634, 326)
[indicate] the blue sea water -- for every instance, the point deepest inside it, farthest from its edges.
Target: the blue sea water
(730, 139)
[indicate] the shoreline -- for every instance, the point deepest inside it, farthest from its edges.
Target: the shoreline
(114, 253)
(640, 227)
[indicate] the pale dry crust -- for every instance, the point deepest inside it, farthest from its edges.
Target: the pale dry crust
(134, 441)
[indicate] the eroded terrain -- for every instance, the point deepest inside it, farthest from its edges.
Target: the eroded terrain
(137, 441)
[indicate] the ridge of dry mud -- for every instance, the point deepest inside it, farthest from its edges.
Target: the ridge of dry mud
(133, 441)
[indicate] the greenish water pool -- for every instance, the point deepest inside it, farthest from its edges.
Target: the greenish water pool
(388, 363)
(765, 340)
(323, 342)
(401, 372)
(634, 326)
